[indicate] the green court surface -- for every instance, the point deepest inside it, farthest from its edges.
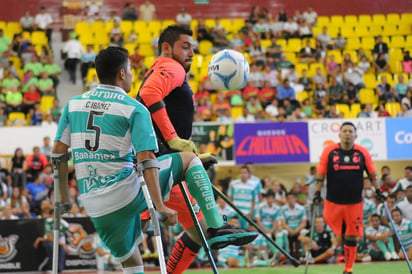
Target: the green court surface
(365, 268)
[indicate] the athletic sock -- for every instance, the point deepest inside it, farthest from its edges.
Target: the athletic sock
(183, 254)
(261, 263)
(382, 246)
(199, 186)
(134, 270)
(350, 248)
(391, 245)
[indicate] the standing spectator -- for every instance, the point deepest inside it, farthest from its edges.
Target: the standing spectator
(147, 11)
(282, 16)
(74, 51)
(129, 12)
(5, 47)
(310, 16)
(404, 228)
(381, 246)
(405, 205)
(36, 162)
(380, 48)
(293, 220)
(17, 169)
(27, 21)
(46, 148)
(183, 18)
(242, 192)
(343, 165)
(87, 61)
(43, 21)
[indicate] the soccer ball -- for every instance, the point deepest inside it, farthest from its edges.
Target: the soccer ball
(228, 70)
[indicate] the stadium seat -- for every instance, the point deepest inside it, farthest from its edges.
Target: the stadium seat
(354, 110)
(379, 19)
(314, 66)
(146, 50)
(375, 30)
(82, 27)
(323, 21)
(130, 47)
(154, 26)
(16, 116)
(370, 80)
(299, 67)
(291, 56)
(388, 76)
(98, 26)
(101, 37)
(316, 30)
(145, 37)
(368, 43)
(210, 23)
(408, 42)
(226, 23)
(197, 60)
(365, 19)
(46, 103)
(362, 30)
(3, 25)
(337, 54)
(108, 26)
(343, 108)
(395, 54)
(353, 55)
(236, 112)
(205, 47)
(336, 20)
(193, 24)
(333, 31)
(265, 43)
(351, 20)
(140, 26)
(353, 43)
(390, 29)
(166, 23)
(17, 62)
(294, 45)
(396, 77)
(393, 18)
(301, 96)
(406, 18)
(86, 38)
(148, 61)
(39, 38)
(395, 66)
(347, 31)
(126, 27)
(393, 108)
(194, 85)
(367, 96)
(397, 42)
(13, 28)
(282, 43)
(404, 29)
(238, 23)
(90, 73)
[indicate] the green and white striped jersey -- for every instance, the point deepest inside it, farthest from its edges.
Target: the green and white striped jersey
(268, 215)
(368, 208)
(243, 194)
(105, 128)
(370, 230)
(405, 233)
(293, 217)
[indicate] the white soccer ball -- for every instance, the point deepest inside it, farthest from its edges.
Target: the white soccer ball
(228, 70)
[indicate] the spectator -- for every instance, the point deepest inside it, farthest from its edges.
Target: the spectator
(36, 193)
(53, 71)
(36, 163)
(183, 18)
(324, 38)
(405, 111)
(14, 100)
(226, 117)
(321, 108)
(323, 243)
(332, 112)
(351, 95)
(45, 209)
(220, 105)
(36, 115)
(256, 75)
(280, 193)
(43, 21)
(403, 183)
(331, 65)
(364, 65)
(3, 117)
(305, 29)
(33, 65)
(56, 110)
(129, 12)
(246, 117)
(305, 81)
(291, 28)
(266, 94)
(335, 92)
(380, 244)
(293, 218)
(46, 148)
(385, 170)
(319, 78)
(282, 16)
(147, 11)
(262, 28)
(385, 91)
(310, 16)
(220, 40)
(116, 35)
(74, 51)
(407, 62)
(202, 31)
(113, 17)
(87, 61)
(5, 47)
(307, 108)
(17, 169)
(30, 97)
(286, 91)
(10, 81)
(404, 228)
(353, 76)
(253, 106)
(18, 204)
(254, 15)
(272, 109)
(320, 94)
(307, 54)
(381, 111)
(401, 87)
(27, 21)
(380, 64)
(391, 202)
(7, 214)
(45, 85)
(242, 192)
(367, 112)
(339, 43)
(380, 48)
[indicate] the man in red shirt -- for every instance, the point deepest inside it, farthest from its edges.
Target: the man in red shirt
(387, 184)
(36, 163)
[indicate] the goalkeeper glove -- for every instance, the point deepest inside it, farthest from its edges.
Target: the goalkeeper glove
(181, 144)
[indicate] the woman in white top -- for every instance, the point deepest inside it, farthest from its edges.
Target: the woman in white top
(18, 203)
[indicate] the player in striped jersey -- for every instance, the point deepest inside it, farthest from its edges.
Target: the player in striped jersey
(105, 129)
(242, 193)
(404, 228)
(379, 240)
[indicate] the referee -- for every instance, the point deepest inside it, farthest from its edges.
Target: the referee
(343, 165)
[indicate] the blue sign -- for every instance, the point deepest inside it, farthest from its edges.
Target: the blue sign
(272, 142)
(399, 138)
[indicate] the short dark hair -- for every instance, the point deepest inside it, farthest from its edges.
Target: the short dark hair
(396, 209)
(109, 62)
(374, 215)
(348, 124)
(245, 167)
(409, 187)
(291, 193)
(385, 167)
(171, 34)
(408, 167)
(270, 193)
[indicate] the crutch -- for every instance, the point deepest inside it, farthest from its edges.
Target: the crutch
(388, 213)
(312, 228)
(155, 216)
(258, 228)
(198, 228)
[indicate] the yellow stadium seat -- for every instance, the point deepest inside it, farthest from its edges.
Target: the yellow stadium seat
(314, 66)
(393, 18)
(404, 29)
(395, 54)
(365, 19)
(397, 42)
(353, 55)
(347, 31)
(205, 47)
(396, 77)
(46, 103)
(194, 85)
(86, 38)
(375, 30)
(236, 112)
(294, 45)
(368, 43)
(101, 37)
(166, 23)
(135, 89)
(408, 42)
(197, 61)
(316, 30)
(333, 31)
(351, 20)
(345, 109)
(140, 26)
(395, 66)
(148, 61)
(265, 43)
(3, 25)
(98, 26)
(144, 37)
(393, 108)
(146, 50)
(368, 96)
(353, 43)
(154, 26)
(16, 116)
(388, 76)
(16, 61)
(226, 23)
(370, 80)
(130, 47)
(362, 31)
(302, 95)
(108, 26)
(291, 56)
(406, 18)
(126, 27)
(82, 27)
(238, 23)
(337, 54)
(354, 110)
(281, 42)
(193, 24)
(299, 67)
(39, 38)
(390, 29)
(13, 27)
(336, 20)
(323, 21)
(90, 73)
(210, 23)
(378, 19)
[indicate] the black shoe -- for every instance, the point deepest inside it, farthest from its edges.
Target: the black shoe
(229, 235)
(347, 272)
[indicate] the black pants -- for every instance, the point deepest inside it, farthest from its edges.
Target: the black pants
(294, 246)
(71, 66)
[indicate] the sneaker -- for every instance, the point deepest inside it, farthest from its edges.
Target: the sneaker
(388, 256)
(340, 258)
(395, 256)
(146, 254)
(229, 235)
(276, 259)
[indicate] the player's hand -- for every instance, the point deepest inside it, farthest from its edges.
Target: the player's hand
(379, 195)
(181, 144)
(207, 159)
(168, 215)
(317, 198)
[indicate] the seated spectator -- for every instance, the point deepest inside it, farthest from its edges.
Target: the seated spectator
(29, 79)
(307, 108)
(380, 48)
(36, 192)
(45, 85)
(10, 81)
(250, 90)
(381, 111)
(320, 78)
(31, 97)
(256, 75)
(339, 43)
(202, 31)
(183, 17)
(87, 61)
(7, 214)
(14, 100)
(332, 112)
(272, 108)
(27, 21)
(266, 94)
(56, 110)
(347, 61)
(203, 107)
(405, 205)
(305, 81)
(298, 114)
(351, 95)
(380, 64)
(320, 94)
(324, 38)
(305, 29)
(335, 92)
(401, 87)
(220, 105)
(257, 52)
(35, 164)
(226, 117)
(36, 115)
(235, 98)
(331, 65)
(385, 91)
(291, 28)
(407, 62)
(283, 66)
(364, 65)
(34, 65)
(271, 75)
(262, 28)
(353, 76)
(285, 91)
(236, 43)
(253, 106)
(46, 209)
(246, 117)
(293, 78)
(405, 111)
(307, 54)
(116, 35)
(405, 228)
(387, 184)
(274, 50)
(12, 69)
(18, 203)
(288, 107)
(3, 117)
(53, 70)
(220, 40)
(46, 177)
(321, 108)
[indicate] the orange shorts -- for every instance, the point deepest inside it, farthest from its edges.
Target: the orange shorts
(349, 216)
(177, 202)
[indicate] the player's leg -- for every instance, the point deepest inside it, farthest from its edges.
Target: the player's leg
(353, 217)
(333, 215)
(384, 249)
(324, 255)
(391, 247)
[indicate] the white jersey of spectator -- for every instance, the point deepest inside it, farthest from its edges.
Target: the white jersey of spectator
(293, 216)
(276, 27)
(406, 207)
(243, 194)
(369, 208)
(290, 26)
(402, 184)
(226, 211)
(272, 110)
(405, 232)
(310, 16)
(268, 215)
(373, 232)
(43, 20)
